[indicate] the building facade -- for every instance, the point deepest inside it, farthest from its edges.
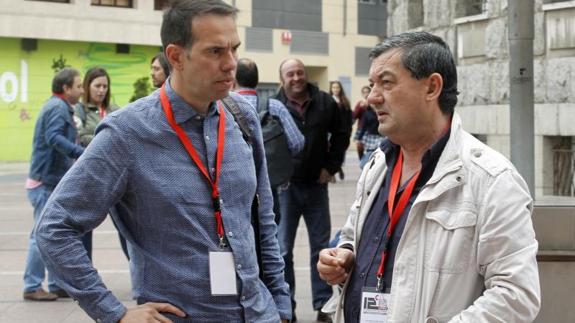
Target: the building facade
(332, 37)
(477, 32)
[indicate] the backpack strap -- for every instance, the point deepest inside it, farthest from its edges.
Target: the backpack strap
(233, 107)
(262, 104)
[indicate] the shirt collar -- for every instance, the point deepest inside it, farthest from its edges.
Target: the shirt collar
(246, 91)
(183, 111)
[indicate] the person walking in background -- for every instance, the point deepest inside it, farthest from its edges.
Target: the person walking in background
(89, 113)
(318, 117)
(338, 94)
(54, 149)
(360, 107)
(183, 177)
(440, 230)
(159, 69)
(247, 79)
(368, 135)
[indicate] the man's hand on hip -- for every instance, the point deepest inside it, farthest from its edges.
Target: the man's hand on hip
(150, 313)
(334, 264)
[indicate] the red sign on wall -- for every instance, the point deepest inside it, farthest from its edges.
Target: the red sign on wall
(286, 37)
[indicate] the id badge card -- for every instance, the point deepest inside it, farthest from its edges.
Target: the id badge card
(374, 306)
(222, 273)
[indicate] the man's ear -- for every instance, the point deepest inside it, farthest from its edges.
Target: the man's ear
(434, 86)
(175, 55)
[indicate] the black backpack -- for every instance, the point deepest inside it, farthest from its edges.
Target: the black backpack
(278, 154)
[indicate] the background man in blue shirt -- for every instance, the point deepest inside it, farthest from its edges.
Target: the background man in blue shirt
(53, 153)
(183, 213)
(247, 78)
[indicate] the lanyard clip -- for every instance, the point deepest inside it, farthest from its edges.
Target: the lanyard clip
(380, 284)
(222, 242)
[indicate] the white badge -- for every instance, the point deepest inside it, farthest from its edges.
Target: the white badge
(374, 306)
(222, 274)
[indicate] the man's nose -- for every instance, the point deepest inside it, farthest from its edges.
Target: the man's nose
(374, 97)
(230, 61)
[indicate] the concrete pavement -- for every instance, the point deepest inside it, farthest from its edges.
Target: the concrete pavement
(16, 221)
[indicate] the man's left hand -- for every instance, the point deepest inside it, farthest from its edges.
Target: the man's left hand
(324, 176)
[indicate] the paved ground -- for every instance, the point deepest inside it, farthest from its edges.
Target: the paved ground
(16, 222)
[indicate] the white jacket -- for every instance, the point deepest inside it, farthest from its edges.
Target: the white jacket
(467, 253)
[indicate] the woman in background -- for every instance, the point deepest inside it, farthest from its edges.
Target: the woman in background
(94, 107)
(360, 107)
(336, 91)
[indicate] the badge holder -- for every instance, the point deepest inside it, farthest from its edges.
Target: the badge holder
(374, 304)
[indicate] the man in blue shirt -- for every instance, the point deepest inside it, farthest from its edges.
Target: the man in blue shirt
(247, 78)
(183, 179)
(53, 153)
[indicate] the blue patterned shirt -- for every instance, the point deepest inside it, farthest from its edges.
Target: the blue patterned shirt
(295, 138)
(137, 163)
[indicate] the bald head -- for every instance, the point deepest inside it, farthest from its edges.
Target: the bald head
(289, 61)
(293, 78)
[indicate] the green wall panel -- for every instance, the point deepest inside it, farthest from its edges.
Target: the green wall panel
(26, 78)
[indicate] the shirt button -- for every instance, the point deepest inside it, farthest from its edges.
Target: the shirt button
(207, 137)
(376, 239)
(230, 234)
(239, 266)
(243, 297)
(198, 117)
(362, 275)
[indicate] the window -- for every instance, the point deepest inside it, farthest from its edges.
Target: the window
(362, 61)
(372, 18)
(113, 3)
(161, 4)
(283, 14)
(415, 13)
(564, 166)
(466, 8)
(60, 1)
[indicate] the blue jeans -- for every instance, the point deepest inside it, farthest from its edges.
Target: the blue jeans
(311, 201)
(35, 269)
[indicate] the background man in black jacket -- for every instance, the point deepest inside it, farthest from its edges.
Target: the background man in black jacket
(326, 139)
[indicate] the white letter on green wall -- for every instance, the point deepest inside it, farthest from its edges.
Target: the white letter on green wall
(8, 77)
(23, 81)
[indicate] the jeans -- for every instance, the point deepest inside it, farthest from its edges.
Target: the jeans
(311, 201)
(35, 270)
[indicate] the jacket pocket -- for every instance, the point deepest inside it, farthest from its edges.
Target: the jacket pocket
(450, 237)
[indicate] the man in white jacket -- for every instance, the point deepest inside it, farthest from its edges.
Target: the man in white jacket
(459, 245)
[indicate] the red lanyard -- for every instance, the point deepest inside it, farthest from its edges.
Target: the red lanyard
(103, 112)
(246, 91)
(194, 155)
(395, 214)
